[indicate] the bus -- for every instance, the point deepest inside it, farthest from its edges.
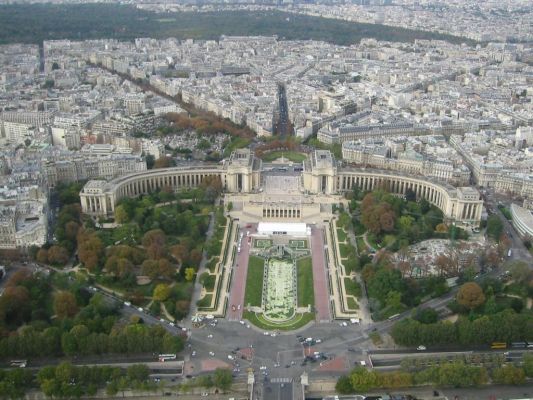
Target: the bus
(166, 357)
(18, 363)
(498, 345)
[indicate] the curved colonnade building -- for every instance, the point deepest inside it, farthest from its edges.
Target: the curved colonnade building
(322, 181)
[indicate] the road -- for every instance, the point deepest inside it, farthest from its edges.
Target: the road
(518, 249)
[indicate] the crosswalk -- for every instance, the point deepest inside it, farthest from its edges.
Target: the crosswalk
(281, 380)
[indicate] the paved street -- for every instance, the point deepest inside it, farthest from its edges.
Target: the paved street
(320, 279)
(240, 272)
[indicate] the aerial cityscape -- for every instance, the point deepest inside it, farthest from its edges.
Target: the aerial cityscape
(266, 200)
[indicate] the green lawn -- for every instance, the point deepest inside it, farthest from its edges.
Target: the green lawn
(212, 264)
(341, 235)
(209, 282)
(361, 246)
(352, 304)
(205, 302)
(298, 321)
(262, 243)
(505, 211)
(298, 244)
(346, 250)
(306, 294)
(352, 287)
(294, 156)
(254, 281)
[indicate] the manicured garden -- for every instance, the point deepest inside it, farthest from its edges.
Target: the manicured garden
(305, 289)
(293, 156)
(279, 294)
(296, 322)
(352, 287)
(341, 235)
(254, 281)
(262, 243)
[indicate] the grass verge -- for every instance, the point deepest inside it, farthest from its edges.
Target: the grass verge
(254, 281)
(296, 322)
(341, 235)
(205, 302)
(306, 294)
(352, 287)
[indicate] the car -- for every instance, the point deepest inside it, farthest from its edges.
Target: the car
(262, 368)
(362, 363)
(241, 322)
(210, 336)
(193, 354)
(161, 320)
(211, 353)
(205, 394)
(265, 333)
(171, 323)
(351, 349)
(344, 324)
(127, 303)
(318, 341)
(273, 334)
(140, 309)
(421, 348)
(230, 357)
(248, 326)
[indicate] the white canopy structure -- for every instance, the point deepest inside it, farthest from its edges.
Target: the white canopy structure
(283, 228)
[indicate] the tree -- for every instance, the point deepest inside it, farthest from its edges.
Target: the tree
(470, 295)
(410, 195)
(520, 271)
(15, 305)
(138, 372)
(195, 257)
(90, 248)
(509, 375)
(528, 364)
(161, 292)
(153, 242)
(121, 215)
(189, 274)
(150, 161)
(364, 380)
(494, 227)
(65, 304)
(42, 256)
(223, 378)
(405, 222)
(426, 315)
(180, 252)
(163, 162)
(71, 230)
(57, 255)
(446, 264)
(344, 385)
